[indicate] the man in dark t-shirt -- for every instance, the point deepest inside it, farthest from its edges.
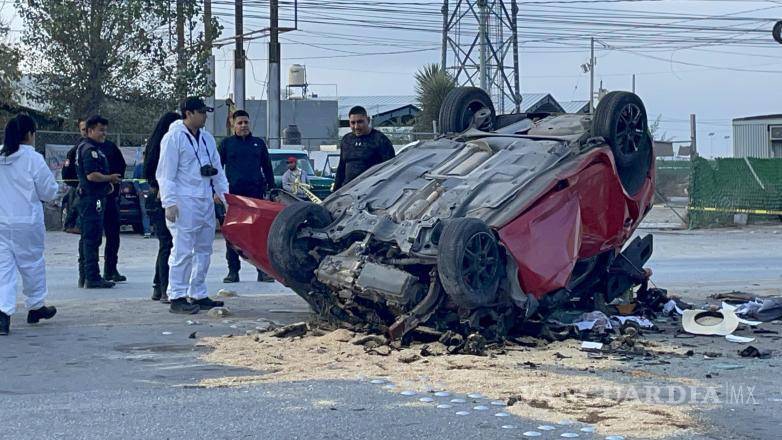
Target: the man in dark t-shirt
(361, 149)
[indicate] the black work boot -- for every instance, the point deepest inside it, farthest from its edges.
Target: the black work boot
(156, 294)
(114, 276)
(180, 306)
(207, 303)
(232, 277)
(164, 298)
(99, 283)
(264, 278)
(5, 324)
(45, 312)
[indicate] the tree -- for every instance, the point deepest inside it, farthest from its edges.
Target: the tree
(113, 57)
(432, 86)
(654, 130)
(9, 67)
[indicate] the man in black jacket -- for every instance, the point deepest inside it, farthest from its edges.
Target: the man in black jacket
(111, 223)
(71, 198)
(362, 149)
(248, 169)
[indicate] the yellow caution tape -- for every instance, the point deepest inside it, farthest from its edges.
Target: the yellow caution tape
(124, 180)
(736, 210)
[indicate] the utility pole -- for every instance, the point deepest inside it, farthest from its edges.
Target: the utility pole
(181, 62)
(516, 78)
(592, 75)
(693, 138)
(273, 87)
(483, 38)
(444, 50)
(210, 62)
(239, 57)
(634, 83)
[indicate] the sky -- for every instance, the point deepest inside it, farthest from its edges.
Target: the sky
(715, 59)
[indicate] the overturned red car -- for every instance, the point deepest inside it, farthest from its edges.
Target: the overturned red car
(503, 220)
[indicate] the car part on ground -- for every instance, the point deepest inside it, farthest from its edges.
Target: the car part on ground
(487, 232)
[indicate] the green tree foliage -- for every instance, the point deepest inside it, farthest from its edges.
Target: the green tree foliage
(9, 67)
(115, 57)
(432, 86)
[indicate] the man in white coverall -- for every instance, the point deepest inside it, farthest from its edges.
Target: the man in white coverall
(26, 181)
(191, 180)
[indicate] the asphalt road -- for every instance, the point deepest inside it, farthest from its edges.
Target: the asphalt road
(114, 365)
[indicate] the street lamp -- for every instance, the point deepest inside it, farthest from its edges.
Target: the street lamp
(711, 143)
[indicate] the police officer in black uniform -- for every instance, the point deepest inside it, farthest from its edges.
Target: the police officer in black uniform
(111, 223)
(248, 169)
(95, 183)
(72, 180)
(361, 149)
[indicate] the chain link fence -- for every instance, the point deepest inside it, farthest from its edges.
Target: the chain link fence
(727, 191)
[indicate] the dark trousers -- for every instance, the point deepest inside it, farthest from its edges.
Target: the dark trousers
(111, 229)
(72, 216)
(91, 209)
(157, 216)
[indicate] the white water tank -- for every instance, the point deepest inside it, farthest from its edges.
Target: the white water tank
(297, 76)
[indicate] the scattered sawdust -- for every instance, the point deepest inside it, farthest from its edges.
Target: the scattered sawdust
(550, 389)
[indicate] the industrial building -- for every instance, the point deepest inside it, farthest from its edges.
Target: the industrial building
(758, 136)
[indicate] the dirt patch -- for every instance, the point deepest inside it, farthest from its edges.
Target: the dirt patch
(552, 383)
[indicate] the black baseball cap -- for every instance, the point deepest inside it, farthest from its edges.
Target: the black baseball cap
(193, 104)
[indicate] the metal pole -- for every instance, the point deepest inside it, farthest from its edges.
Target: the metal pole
(634, 83)
(693, 137)
(444, 49)
(517, 77)
(239, 57)
(592, 75)
(210, 63)
(483, 39)
(273, 91)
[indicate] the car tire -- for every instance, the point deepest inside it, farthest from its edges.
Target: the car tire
(620, 119)
(289, 255)
(460, 106)
(138, 228)
(469, 262)
(776, 32)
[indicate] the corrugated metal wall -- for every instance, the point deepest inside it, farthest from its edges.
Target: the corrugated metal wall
(750, 138)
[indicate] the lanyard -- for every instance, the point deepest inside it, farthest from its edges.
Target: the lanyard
(195, 150)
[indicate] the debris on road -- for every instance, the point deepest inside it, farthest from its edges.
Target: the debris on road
(219, 312)
(225, 293)
(753, 352)
(291, 331)
(708, 322)
(739, 339)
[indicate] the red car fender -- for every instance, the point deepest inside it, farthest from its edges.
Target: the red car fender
(246, 227)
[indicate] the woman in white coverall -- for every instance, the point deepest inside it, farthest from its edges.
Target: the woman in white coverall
(191, 181)
(26, 181)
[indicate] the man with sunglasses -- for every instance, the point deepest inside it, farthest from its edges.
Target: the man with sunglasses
(191, 181)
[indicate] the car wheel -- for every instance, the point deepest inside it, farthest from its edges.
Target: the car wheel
(460, 107)
(289, 254)
(138, 228)
(777, 32)
(620, 119)
(469, 262)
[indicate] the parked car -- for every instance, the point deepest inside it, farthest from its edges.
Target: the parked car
(132, 197)
(321, 186)
(504, 220)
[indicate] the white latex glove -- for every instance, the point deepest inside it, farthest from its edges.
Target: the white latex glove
(172, 212)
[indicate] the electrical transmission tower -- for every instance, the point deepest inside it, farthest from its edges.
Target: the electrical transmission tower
(480, 48)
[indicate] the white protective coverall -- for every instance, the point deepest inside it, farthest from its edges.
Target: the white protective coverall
(25, 181)
(182, 185)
